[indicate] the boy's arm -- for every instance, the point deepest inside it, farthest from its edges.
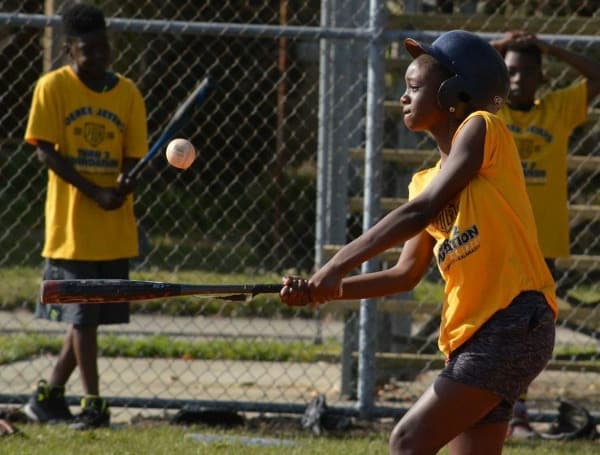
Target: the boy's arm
(107, 198)
(587, 67)
(126, 186)
(500, 44)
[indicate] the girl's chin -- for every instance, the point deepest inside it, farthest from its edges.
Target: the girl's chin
(409, 125)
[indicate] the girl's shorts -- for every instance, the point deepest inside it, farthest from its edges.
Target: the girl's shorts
(507, 352)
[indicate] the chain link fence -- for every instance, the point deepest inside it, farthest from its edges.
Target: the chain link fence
(280, 179)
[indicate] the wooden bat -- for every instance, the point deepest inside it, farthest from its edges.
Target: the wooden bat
(105, 291)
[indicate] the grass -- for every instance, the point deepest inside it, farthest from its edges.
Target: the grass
(586, 294)
(21, 347)
(162, 438)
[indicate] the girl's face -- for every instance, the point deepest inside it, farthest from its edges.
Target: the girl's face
(420, 102)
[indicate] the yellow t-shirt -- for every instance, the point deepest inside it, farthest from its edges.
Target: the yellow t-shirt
(542, 137)
(95, 132)
(485, 241)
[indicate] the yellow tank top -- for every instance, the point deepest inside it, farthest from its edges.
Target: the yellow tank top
(542, 137)
(95, 132)
(486, 243)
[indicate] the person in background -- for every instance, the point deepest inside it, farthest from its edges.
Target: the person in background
(472, 213)
(541, 127)
(88, 125)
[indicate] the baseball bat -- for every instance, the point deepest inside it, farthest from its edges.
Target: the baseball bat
(105, 291)
(178, 121)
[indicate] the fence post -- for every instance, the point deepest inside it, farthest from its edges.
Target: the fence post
(372, 193)
(324, 138)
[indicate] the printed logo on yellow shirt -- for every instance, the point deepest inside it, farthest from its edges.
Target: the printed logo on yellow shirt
(94, 161)
(91, 155)
(534, 175)
(94, 133)
(446, 218)
(460, 245)
(532, 143)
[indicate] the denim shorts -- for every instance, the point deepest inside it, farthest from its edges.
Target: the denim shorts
(507, 352)
(85, 314)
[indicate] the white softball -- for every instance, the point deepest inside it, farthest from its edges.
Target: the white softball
(180, 153)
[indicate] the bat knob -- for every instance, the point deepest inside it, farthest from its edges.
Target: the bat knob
(125, 183)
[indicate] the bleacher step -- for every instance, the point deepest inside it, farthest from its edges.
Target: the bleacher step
(577, 212)
(394, 362)
(427, 158)
(491, 23)
(581, 262)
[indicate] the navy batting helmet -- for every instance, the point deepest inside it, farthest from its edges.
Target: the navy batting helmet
(480, 75)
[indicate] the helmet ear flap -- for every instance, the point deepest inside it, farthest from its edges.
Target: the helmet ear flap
(453, 94)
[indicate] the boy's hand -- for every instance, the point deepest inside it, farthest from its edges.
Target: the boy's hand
(108, 198)
(525, 38)
(517, 36)
(531, 39)
(125, 185)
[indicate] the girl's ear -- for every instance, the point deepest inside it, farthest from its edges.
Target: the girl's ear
(452, 93)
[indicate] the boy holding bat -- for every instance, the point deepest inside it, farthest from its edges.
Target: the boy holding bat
(89, 127)
(472, 214)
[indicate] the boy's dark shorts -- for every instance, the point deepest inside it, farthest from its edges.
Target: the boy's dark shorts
(85, 314)
(507, 352)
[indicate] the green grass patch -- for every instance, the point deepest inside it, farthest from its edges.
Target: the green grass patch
(162, 438)
(586, 295)
(21, 347)
(575, 352)
(429, 292)
(19, 286)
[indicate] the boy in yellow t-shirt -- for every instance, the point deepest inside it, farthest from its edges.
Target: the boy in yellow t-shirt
(471, 213)
(89, 127)
(541, 128)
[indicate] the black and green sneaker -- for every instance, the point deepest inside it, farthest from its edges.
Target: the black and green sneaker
(48, 405)
(94, 414)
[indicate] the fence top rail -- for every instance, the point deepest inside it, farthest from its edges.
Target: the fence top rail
(262, 30)
(195, 28)
(430, 35)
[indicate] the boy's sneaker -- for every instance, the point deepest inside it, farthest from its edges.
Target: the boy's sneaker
(94, 414)
(48, 405)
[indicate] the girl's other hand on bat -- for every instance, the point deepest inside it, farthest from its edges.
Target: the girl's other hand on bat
(295, 291)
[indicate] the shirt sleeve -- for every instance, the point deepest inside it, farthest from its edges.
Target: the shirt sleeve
(44, 121)
(571, 104)
(136, 131)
